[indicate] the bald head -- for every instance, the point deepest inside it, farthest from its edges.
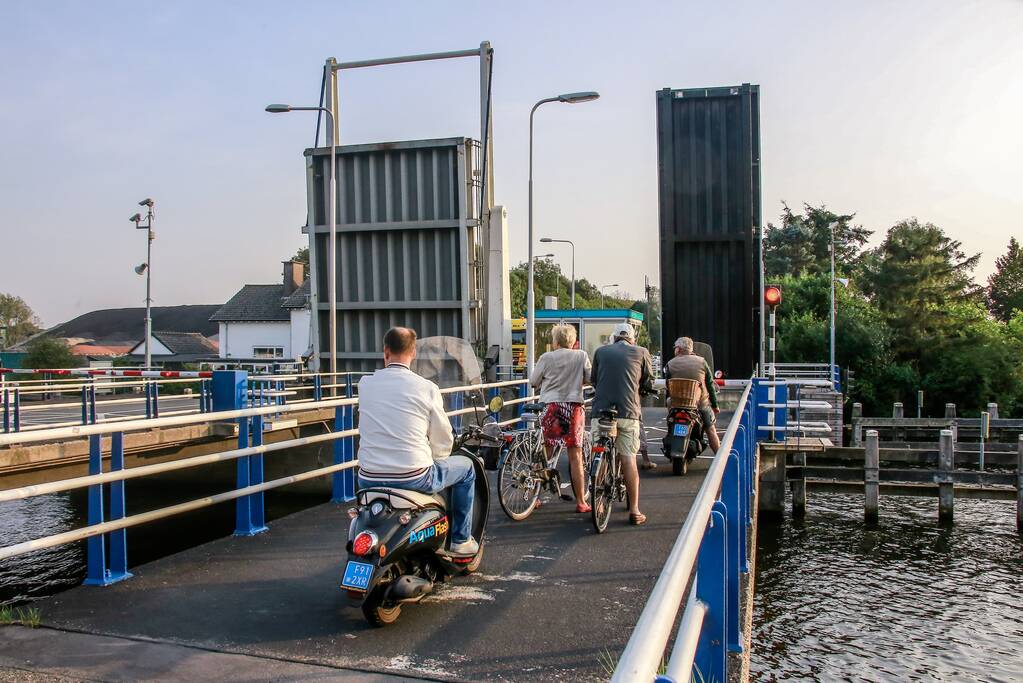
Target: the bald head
(399, 345)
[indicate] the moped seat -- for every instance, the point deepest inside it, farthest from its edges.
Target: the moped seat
(401, 498)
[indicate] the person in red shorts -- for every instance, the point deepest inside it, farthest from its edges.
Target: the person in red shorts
(560, 375)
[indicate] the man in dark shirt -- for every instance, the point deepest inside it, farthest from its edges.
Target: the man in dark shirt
(621, 372)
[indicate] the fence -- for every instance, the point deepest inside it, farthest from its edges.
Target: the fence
(107, 521)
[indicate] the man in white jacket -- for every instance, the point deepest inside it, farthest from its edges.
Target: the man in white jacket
(405, 437)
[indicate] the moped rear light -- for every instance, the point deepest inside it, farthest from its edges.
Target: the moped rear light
(364, 543)
(598, 449)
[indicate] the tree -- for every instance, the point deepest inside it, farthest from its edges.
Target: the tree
(302, 256)
(17, 321)
(548, 280)
(802, 243)
(49, 352)
(1005, 286)
(913, 277)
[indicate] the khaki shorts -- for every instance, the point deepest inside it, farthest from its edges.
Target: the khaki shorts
(628, 440)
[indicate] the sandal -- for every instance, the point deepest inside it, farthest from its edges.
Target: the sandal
(637, 519)
(648, 466)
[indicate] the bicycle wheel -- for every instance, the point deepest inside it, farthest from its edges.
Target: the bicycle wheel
(602, 490)
(518, 486)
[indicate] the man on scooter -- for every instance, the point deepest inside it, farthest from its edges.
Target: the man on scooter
(405, 438)
(688, 365)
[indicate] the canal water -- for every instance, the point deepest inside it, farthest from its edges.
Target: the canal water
(907, 600)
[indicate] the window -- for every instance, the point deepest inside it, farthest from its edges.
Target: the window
(268, 352)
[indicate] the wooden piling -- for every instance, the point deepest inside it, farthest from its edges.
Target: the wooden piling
(871, 476)
(897, 411)
(950, 410)
(946, 463)
(799, 487)
(992, 408)
(1019, 485)
(857, 415)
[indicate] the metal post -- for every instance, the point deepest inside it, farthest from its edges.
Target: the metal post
(897, 411)
(946, 463)
(950, 410)
(243, 505)
(857, 428)
(257, 510)
(96, 559)
(17, 409)
(735, 547)
(149, 399)
(798, 484)
(156, 399)
(831, 367)
(7, 410)
(763, 305)
(992, 408)
(871, 476)
(92, 402)
(457, 403)
(772, 374)
(149, 296)
(348, 444)
(711, 570)
(919, 402)
(118, 570)
(1019, 484)
(85, 403)
(317, 388)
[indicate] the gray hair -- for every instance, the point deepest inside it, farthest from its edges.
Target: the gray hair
(685, 344)
(564, 336)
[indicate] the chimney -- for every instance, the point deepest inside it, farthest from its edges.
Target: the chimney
(294, 276)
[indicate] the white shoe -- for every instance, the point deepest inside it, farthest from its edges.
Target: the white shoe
(470, 547)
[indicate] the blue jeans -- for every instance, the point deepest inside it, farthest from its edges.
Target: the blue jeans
(455, 472)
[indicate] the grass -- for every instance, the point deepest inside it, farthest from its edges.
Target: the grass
(24, 616)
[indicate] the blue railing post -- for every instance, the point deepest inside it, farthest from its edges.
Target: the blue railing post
(7, 409)
(457, 403)
(202, 396)
(149, 398)
(17, 409)
(317, 388)
(736, 546)
(711, 568)
(156, 399)
(85, 405)
(343, 482)
(257, 510)
(243, 505)
(118, 569)
(92, 402)
(96, 560)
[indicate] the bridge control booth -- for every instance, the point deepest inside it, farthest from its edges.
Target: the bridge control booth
(594, 326)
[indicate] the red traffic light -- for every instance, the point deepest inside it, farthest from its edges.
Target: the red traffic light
(772, 296)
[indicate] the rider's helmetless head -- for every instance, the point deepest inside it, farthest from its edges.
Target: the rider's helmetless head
(683, 346)
(399, 345)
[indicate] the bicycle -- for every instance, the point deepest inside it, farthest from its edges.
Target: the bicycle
(606, 481)
(525, 470)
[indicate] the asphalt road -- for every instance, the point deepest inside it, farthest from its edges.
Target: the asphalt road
(35, 414)
(552, 600)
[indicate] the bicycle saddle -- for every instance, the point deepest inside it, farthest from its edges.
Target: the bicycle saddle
(609, 414)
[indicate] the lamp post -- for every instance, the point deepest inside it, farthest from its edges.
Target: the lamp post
(332, 247)
(548, 240)
(568, 98)
(147, 269)
(602, 288)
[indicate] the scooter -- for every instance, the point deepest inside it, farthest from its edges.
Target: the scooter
(398, 541)
(685, 438)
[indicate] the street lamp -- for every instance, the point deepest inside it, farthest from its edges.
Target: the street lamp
(548, 240)
(332, 248)
(146, 268)
(567, 98)
(602, 288)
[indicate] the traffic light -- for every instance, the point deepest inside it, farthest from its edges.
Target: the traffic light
(772, 295)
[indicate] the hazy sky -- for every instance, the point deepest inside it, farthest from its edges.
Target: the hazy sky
(888, 109)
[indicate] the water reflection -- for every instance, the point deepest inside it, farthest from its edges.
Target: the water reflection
(907, 600)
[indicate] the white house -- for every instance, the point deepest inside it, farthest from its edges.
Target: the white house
(267, 321)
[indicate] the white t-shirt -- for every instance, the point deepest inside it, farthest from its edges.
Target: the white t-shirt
(560, 374)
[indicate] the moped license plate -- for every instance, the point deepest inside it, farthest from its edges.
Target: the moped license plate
(357, 575)
(681, 430)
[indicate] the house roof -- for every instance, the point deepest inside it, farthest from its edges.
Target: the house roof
(185, 346)
(299, 298)
(254, 303)
(125, 326)
(101, 350)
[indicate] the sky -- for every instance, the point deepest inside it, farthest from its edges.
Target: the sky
(885, 109)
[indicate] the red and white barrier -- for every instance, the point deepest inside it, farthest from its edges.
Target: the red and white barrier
(109, 372)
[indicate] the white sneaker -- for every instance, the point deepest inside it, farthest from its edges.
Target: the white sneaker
(470, 547)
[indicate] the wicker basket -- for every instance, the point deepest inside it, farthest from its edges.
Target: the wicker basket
(683, 393)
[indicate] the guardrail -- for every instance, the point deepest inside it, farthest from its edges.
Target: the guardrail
(107, 522)
(711, 549)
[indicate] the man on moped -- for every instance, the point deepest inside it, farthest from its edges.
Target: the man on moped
(688, 365)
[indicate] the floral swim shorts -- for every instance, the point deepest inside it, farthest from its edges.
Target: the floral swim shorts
(563, 423)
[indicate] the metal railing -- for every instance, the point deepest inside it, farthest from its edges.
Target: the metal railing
(712, 550)
(107, 519)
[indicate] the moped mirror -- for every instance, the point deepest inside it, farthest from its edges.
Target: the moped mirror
(495, 404)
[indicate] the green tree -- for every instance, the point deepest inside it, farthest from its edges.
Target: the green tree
(1005, 286)
(801, 244)
(17, 320)
(302, 256)
(548, 280)
(48, 352)
(913, 277)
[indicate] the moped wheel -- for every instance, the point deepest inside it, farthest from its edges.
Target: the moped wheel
(376, 612)
(679, 466)
(602, 494)
(518, 486)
